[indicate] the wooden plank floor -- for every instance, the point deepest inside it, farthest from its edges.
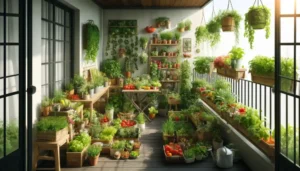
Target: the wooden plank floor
(152, 157)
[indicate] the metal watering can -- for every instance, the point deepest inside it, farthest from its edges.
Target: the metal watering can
(223, 158)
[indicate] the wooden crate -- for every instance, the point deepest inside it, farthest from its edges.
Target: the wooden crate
(264, 80)
(76, 159)
(173, 159)
(235, 73)
(52, 136)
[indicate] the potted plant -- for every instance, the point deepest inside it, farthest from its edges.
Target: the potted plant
(236, 54)
(213, 27)
(163, 37)
(141, 121)
(79, 123)
(230, 21)
(163, 51)
(257, 17)
(109, 111)
(201, 34)
(187, 25)
(46, 106)
(78, 82)
(163, 22)
(152, 112)
(52, 128)
(112, 69)
(144, 42)
(69, 88)
(91, 89)
(189, 156)
(219, 63)
(169, 36)
(85, 92)
(262, 70)
(93, 153)
(155, 84)
(106, 82)
(76, 153)
(168, 130)
(58, 97)
(177, 36)
(92, 37)
(204, 65)
(116, 149)
(134, 154)
(181, 27)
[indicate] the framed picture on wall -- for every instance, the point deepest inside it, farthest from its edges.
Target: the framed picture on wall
(187, 45)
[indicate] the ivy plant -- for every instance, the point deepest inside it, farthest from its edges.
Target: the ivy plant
(213, 28)
(92, 41)
(201, 34)
(237, 20)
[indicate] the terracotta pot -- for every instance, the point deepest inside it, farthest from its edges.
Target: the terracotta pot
(128, 74)
(228, 24)
(46, 111)
(181, 30)
(175, 42)
(71, 92)
(93, 160)
(113, 81)
(164, 42)
(155, 40)
(151, 116)
(169, 41)
(170, 53)
(122, 52)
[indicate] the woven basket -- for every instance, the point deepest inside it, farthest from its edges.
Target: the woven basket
(126, 116)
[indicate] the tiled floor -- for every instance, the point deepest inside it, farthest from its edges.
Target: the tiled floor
(152, 157)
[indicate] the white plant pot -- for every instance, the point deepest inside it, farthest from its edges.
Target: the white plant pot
(142, 126)
(239, 64)
(92, 92)
(86, 97)
(106, 84)
(110, 114)
(98, 89)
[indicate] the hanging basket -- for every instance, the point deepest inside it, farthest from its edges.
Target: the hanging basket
(257, 18)
(228, 24)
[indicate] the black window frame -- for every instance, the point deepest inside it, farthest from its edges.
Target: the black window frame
(52, 24)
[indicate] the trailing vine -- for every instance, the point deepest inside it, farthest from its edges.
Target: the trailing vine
(92, 41)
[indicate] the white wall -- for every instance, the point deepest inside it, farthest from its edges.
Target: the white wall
(84, 11)
(146, 17)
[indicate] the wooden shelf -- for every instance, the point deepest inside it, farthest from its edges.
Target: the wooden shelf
(163, 57)
(163, 44)
(169, 68)
(169, 81)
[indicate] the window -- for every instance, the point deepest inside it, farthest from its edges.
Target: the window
(57, 65)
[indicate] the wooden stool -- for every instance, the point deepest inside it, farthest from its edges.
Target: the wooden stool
(53, 146)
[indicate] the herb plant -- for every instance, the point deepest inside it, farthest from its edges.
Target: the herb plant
(84, 138)
(168, 127)
(75, 146)
(189, 153)
(262, 65)
(236, 53)
(78, 81)
(202, 64)
(213, 27)
(93, 37)
(140, 118)
(94, 150)
(201, 34)
(112, 68)
(51, 123)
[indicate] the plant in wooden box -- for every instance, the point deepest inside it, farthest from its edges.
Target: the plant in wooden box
(181, 27)
(93, 153)
(230, 20)
(213, 27)
(257, 17)
(112, 69)
(52, 128)
(262, 70)
(141, 121)
(92, 41)
(107, 134)
(76, 153)
(152, 112)
(109, 111)
(46, 106)
(168, 130)
(187, 25)
(219, 63)
(189, 156)
(163, 22)
(144, 42)
(204, 65)
(116, 149)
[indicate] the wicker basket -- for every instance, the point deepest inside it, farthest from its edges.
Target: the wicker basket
(52, 136)
(126, 116)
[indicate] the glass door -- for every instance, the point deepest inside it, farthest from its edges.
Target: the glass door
(12, 84)
(287, 85)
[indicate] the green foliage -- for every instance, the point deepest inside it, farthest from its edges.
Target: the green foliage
(94, 150)
(130, 132)
(12, 138)
(93, 37)
(201, 34)
(134, 154)
(189, 153)
(185, 75)
(199, 83)
(181, 25)
(262, 65)
(144, 42)
(187, 25)
(140, 118)
(75, 146)
(84, 138)
(168, 127)
(118, 145)
(128, 107)
(117, 102)
(263, 14)
(78, 81)
(153, 110)
(112, 68)
(108, 133)
(163, 35)
(95, 130)
(213, 27)
(154, 72)
(58, 96)
(200, 150)
(69, 86)
(177, 36)
(46, 102)
(169, 35)
(202, 64)
(287, 70)
(221, 85)
(236, 53)
(237, 21)
(109, 106)
(184, 129)
(52, 123)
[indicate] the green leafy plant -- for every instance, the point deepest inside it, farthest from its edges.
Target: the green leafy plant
(140, 118)
(69, 86)
(220, 84)
(180, 25)
(144, 42)
(84, 138)
(93, 38)
(163, 35)
(189, 153)
(202, 64)
(58, 96)
(153, 110)
(201, 34)
(188, 25)
(75, 146)
(51, 123)
(236, 53)
(262, 65)
(112, 68)
(78, 81)
(108, 133)
(185, 75)
(168, 127)
(134, 154)
(95, 130)
(255, 15)
(94, 150)
(118, 145)
(200, 150)
(46, 102)
(12, 137)
(169, 35)
(130, 132)
(177, 36)
(117, 102)
(199, 83)
(237, 21)
(213, 27)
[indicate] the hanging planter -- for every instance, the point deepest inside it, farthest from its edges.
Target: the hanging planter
(163, 22)
(258, 17)
(228, 24)
(150, 29)
(92, 38)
